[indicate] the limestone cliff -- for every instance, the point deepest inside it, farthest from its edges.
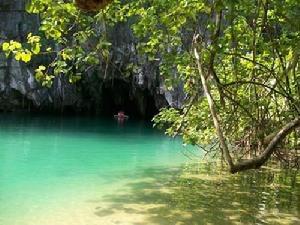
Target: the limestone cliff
(141, 95)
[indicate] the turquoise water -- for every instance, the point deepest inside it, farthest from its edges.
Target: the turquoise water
(50, 167)
(92, 171)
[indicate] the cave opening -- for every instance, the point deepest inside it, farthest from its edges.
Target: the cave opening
(118, 95)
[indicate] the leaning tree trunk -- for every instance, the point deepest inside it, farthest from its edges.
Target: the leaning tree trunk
(265, 155)
(212, 108)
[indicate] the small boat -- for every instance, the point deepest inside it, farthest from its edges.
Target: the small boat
(121, 116)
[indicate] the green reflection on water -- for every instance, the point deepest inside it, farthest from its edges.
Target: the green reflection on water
(202, 194)
(254, 197)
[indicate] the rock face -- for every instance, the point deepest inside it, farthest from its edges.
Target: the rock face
(16, 80)
(102, 91)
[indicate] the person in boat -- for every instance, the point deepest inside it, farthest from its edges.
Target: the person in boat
(121, 116)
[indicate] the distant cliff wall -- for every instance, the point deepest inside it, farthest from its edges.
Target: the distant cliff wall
(141, 95)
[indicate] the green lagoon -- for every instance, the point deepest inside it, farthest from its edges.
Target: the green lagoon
(91, 171)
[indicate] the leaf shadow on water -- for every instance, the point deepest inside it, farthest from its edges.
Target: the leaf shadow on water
(204, 195)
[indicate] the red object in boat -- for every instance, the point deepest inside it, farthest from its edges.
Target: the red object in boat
(121, 115)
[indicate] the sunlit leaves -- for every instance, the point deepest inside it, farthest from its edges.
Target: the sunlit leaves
(252, 53)
(255, 57)
(42, 76)
(25, 56)
(23, 52)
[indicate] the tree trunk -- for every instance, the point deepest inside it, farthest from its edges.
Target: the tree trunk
(212, 108)
(256, 162)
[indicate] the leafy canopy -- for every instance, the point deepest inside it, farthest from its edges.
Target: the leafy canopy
(249, 48)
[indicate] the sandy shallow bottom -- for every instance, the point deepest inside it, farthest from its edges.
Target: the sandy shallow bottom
(116, 204)
(151, 201)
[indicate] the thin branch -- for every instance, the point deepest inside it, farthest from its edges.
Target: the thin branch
(289, 97)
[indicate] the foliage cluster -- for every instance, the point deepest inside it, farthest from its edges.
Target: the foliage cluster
(249, 51)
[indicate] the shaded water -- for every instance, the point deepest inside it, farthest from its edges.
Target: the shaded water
(67, 171)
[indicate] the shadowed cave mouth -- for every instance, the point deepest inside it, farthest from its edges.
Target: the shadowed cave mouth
(118, 95)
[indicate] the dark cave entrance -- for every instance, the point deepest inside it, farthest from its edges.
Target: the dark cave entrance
(118, 95)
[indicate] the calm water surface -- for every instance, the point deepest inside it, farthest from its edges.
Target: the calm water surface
(80, 170)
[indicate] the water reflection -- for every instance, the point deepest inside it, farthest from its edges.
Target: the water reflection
(202, 194)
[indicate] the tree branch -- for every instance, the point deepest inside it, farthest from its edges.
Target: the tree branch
(257, 162)
(246, 164)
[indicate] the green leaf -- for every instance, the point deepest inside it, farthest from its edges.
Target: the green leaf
(5, 46)
(41, 68)
(26, 56)
(36, 49)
